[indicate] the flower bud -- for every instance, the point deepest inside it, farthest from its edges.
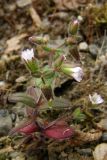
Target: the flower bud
(73, 27)
(39, 40)
(59, 61)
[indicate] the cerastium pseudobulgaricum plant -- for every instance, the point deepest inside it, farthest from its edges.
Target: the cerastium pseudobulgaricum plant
(36, 98)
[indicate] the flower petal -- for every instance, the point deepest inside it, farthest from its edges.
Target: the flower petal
(27, 54)
(96, 99)
(77, 73)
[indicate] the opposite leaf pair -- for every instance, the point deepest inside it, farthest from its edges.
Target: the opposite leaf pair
(58, 129)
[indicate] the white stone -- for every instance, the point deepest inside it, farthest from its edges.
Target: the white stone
(83, 46)
(100, 152)
(23, 3)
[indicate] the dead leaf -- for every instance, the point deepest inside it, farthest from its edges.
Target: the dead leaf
(2, 66)
(100, 152)
(35, 17)
(71, 4)
(88, 136)
(21, 79)
(6, 150)
(23, 3)
(13, 44)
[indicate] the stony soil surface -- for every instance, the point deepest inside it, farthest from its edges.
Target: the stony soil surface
(20, 19)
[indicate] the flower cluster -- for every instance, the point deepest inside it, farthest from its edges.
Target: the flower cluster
(45, 76)
(75, 72)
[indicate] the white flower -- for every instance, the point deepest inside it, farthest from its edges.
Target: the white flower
(96, 99)
(27, 54)
(77, 73)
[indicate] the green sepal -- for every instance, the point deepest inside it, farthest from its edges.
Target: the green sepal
(47, 49)
(58, 53)
(33, 66)
(47, 78)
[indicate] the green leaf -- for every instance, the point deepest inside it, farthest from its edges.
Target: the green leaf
(56, 104)
(22, 97)
(47, 49)
(39, 83)
(60, 103)
(58, 53)
(78, 115)
(49, 81)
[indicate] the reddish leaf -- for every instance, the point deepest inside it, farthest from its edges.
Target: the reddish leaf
(26, 128)
(59, 131)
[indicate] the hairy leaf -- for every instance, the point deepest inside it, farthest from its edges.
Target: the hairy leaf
(25, 128)
(22, 97)
(59, 103)
(60, 130)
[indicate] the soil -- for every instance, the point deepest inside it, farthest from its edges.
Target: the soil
(22, 19)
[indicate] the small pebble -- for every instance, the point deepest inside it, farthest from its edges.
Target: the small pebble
(100, 152)
(83, 46)
(13, 117)
(23, 3)
(84, 151)
(93, 50)
(17, 156)
(63, 154)
(2, 84)
(3, 113)
(5, 122)
(104, 137)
